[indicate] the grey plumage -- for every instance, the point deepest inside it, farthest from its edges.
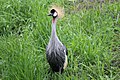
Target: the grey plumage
(56, 52)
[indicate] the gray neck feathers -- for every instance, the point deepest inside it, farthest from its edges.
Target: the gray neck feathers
(54, 41)
(53, 33)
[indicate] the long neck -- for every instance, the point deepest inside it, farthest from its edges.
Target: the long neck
(54, 39)
(53, 33)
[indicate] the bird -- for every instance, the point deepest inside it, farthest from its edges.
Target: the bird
(56, 52)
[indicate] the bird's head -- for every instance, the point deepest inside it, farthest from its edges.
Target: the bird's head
(53, 13)
(56, 11)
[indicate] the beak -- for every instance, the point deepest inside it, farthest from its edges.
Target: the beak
(50, 14)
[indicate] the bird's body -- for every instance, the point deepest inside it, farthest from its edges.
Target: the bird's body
(56, 52)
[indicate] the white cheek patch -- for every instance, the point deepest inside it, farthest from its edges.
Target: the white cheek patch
(55, 14)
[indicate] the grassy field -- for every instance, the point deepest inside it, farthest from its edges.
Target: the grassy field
(90, 31)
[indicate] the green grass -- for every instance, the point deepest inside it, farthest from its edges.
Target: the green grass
(92, 37)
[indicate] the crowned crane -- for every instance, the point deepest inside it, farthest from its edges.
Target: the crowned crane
(56, 52)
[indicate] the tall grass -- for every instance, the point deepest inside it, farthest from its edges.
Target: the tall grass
(91, 35)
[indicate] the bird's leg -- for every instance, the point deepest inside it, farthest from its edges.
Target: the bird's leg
(60, 70)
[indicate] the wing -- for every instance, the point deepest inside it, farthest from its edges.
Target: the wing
(61, 55)
(48, 56)
(56, 57)
(66, 54)
(66, 51)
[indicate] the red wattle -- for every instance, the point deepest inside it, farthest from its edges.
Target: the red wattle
(53, 20)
